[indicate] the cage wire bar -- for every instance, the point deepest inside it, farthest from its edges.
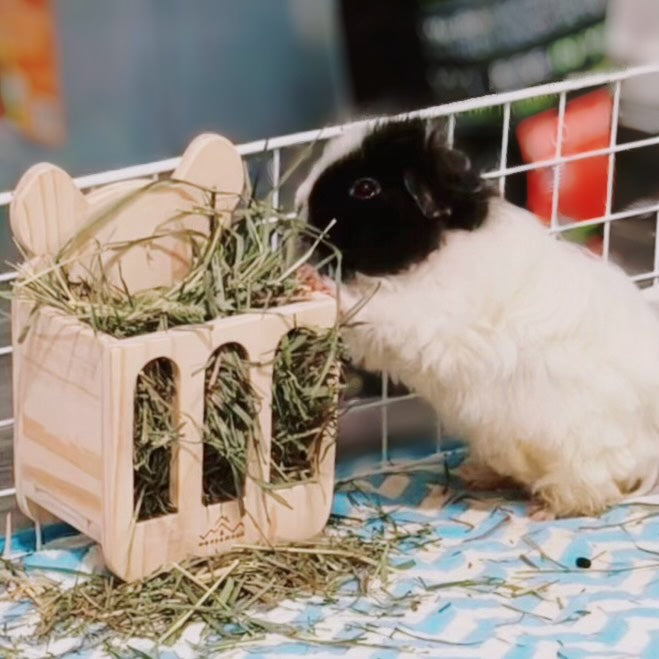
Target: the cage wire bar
(273, 147)
(560, 133)
(656, 250)
(613, 138)
(503, 155)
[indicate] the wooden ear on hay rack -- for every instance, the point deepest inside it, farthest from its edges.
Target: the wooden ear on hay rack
(77, 390)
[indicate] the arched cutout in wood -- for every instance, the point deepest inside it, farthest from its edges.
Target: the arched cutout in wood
(305, 387)
(156, 435)
(230, 424)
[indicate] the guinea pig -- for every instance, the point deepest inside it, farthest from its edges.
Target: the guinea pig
(541, 356)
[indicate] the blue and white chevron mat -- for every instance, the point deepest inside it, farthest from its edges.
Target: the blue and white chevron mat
(484, 582)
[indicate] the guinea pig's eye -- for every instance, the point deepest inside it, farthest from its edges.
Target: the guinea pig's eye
(365, 188)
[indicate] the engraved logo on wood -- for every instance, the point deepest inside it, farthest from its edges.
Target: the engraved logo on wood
(221, 532)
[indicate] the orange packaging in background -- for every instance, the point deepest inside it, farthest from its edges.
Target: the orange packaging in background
(582, 183)
(30, 95)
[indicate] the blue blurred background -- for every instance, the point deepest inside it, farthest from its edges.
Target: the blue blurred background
(140, 79)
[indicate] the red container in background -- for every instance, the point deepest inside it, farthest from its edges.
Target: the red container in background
(582, 183)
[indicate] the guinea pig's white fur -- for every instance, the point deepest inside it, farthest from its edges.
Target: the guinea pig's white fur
(544, 358)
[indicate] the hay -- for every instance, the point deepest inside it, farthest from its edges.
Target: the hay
(229, 593)
(154, 436)
(233, 270)
(230, 424)
(247, 264)
(305, 389)
(306, 386)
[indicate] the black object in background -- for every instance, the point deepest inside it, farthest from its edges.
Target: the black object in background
(384, 56)
(407, 54)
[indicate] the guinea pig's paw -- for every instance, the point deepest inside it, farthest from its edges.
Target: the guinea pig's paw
(309, 277)
(478, 477)
(567, 494)
(329, 286)
(540, 512)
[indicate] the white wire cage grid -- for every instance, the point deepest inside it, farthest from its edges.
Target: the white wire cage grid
(273, 148)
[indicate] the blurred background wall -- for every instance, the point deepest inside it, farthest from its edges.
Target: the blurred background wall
(139, 79)
(93, 85)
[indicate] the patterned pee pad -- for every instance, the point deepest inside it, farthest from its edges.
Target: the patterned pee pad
(484, 582)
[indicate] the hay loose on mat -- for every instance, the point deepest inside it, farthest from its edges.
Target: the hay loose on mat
(229, 593)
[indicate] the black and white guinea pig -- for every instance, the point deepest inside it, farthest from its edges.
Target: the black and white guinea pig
(392, 191)
(542, 357)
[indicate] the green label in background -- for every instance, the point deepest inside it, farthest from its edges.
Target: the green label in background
(481, 30)
(474, 47)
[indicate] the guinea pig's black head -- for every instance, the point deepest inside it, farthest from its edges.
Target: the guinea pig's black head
(392, 193)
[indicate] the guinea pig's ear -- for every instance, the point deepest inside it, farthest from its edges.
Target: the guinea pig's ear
(419, 189)
(437, 132)
(420, 178)
(452, 168)
(457, 187)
